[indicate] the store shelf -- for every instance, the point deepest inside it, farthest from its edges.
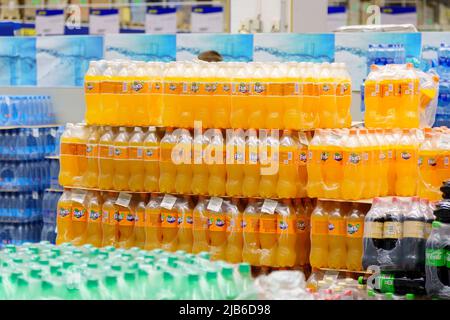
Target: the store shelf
(368, 201)
(30, 127)
(54, 190)
(173, 193)
(10, 190)
(51, 157)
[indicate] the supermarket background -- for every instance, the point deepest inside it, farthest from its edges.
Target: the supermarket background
(43, 62)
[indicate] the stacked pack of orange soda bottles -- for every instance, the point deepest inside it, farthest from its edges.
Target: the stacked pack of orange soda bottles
(214, 162)
(261, 232)
(361, 163)
(271, 95)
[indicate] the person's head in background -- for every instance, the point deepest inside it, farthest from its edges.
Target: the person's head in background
(210, 56)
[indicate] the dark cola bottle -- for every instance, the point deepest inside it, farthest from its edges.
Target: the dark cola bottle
(373, 233)
(413, 242)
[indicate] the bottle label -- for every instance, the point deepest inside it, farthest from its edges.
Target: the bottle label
(68, 149)
(442, 162)
(185, 220)
(92, 151)
(151, 154)
(259, 89)
(79, 213)
(152, 220)
(223, 89)
(135, 153)
(336, 228)
(373, 230)
(139, 218)
(106, 151)
(406, 89)
(392, 230)
(95, 216)
(241, 88)
(268, 224)
(286, 224)
(120, 153)
(217, 222)
(386, 283)
(92, 87)
(302, 157)
(169, 219)
(250, 223)
(138, 87)
(324, 155)
(173, 88)
(387, 90)
(435, 257)
(125, 218)
(233, 223)
(302, 225)
(406, 155)
(65, 213)
(319, 227)
(126, 87)
(352, 158)
(327, 89)
(251, 156)
(155, 87)
(413, 229)
(355, 229)
(105, 216)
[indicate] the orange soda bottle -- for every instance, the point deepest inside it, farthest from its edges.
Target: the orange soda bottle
(125, 106)
(222, 98)
(153, 233)
(188, 94)
(353, 170)
(302, 233)
(167, 169)
(250, 182)
(251, 252)
(169, 225)
(200, 229)
(185, 223)
(139, 96)
(372, 97)
(275, 96)
(68, 156)
(354, 237)
(327, 96)
(315, 185)
(217, 228)
(292, 118)
(406, 165)
(92, 81)
(239, 95)
(288, 166)
(172, 90)
(287, 236)
(332, 164)
(110, 87)
(235, 163)
(90, 178)
(302, 153)
(80, 200)
(337, 251)
(126, 214)
(200, 171)
(269, 161)
(233, 251)
(257, 98)
(151, 161)
(216, 165)
(183, 150)
(319, 236)
(136, 160)
(110, 226)
(139, 222)
(94, 220)
(64, 218)
(121, 168)
(106, 160)
(343, 97)
(268, 233)
(154, 102)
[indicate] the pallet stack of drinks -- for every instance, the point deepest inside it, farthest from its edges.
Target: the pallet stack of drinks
(252, 181)
(143, 173)
(27, 136)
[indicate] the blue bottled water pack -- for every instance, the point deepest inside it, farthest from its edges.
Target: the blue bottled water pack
(28, 143)
(26, 110)
(383, 54)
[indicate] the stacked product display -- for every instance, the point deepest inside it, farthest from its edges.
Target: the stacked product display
(218, 95)
(46, 272)
(263, 233)
(24, 171)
